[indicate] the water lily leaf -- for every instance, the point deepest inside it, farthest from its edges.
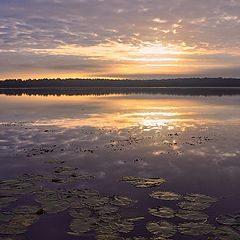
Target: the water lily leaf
(226, 233)
(79, 226)
(230, 220)
(80, 213)
(163, 212)
(108, 237)
(95, 201)
(192, 215)
(194, 206)
(6, 216)
(55, 161)
(136, 219)
(162, 229)
(143, 182)
(195, 229)
(16, 187)
(123, 226)
(6, 200)
(55, 207)
(26, 219)
(12, 229)
(195, 197)
(85, 193)
(107, 209)
(31, 209)
(169, 196)
(123, 201)
(113, 217)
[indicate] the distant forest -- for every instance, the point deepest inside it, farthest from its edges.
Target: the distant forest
(107, 83)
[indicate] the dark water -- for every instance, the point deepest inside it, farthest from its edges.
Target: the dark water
(191, 141)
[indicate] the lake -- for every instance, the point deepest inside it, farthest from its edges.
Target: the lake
(119, 166)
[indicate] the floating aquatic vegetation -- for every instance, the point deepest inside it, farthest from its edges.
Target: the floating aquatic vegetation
(163, 212)
(192, 215)
(28, 209)
(162, 229)
(114, 227)
(194, 206)
(12, 229)
(123, 201)
(110, 217)
(55, 161)
(169, 196)
(226, 233)
(230, 220)
(195, 229)
(123, 226)
(136, 219)
(143, 182)
(79, 226)
(52, 202)
(18, 220)
(25, 220)
(6, 200)
(107, 209)
(6, 216)
(80, 213)
(16, 187)
(195, 197)
(95, 201)
(108, 237)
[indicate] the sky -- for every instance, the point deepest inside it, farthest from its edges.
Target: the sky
(136, 39)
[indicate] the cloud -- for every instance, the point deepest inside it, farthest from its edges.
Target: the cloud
(46, 27)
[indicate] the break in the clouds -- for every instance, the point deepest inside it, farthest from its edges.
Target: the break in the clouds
(127, 38)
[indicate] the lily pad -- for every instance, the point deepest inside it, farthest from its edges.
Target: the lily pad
(168, 196)
(16, 187)
(226, 233)
(163, 212)
(55, 207)
(107, 209)
(95, 201)
(195, 197)
(108, 237)
(162, 229)
(26, 220)
(195, 229)
(123, 226)
(80, 213)
(194, 206)
(192, 215)
(28, 209)
(144, 182)
(79, 226)
(6, 216)
(5, 201)
(229, 220)
(123, 201)
(12, 229)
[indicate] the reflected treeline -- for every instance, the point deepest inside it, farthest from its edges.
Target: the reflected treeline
(124, 91)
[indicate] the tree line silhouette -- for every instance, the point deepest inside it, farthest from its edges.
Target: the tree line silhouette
(103, 83)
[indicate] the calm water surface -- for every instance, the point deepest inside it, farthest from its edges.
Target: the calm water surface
(192, 142)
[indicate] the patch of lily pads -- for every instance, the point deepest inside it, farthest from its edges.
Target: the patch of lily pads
(192, 215)
(143, 182)
(162, 229)
(168, 196)
(226, 233)
(195, 229)
(93, 213)
(162, 212)
(19, 219)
